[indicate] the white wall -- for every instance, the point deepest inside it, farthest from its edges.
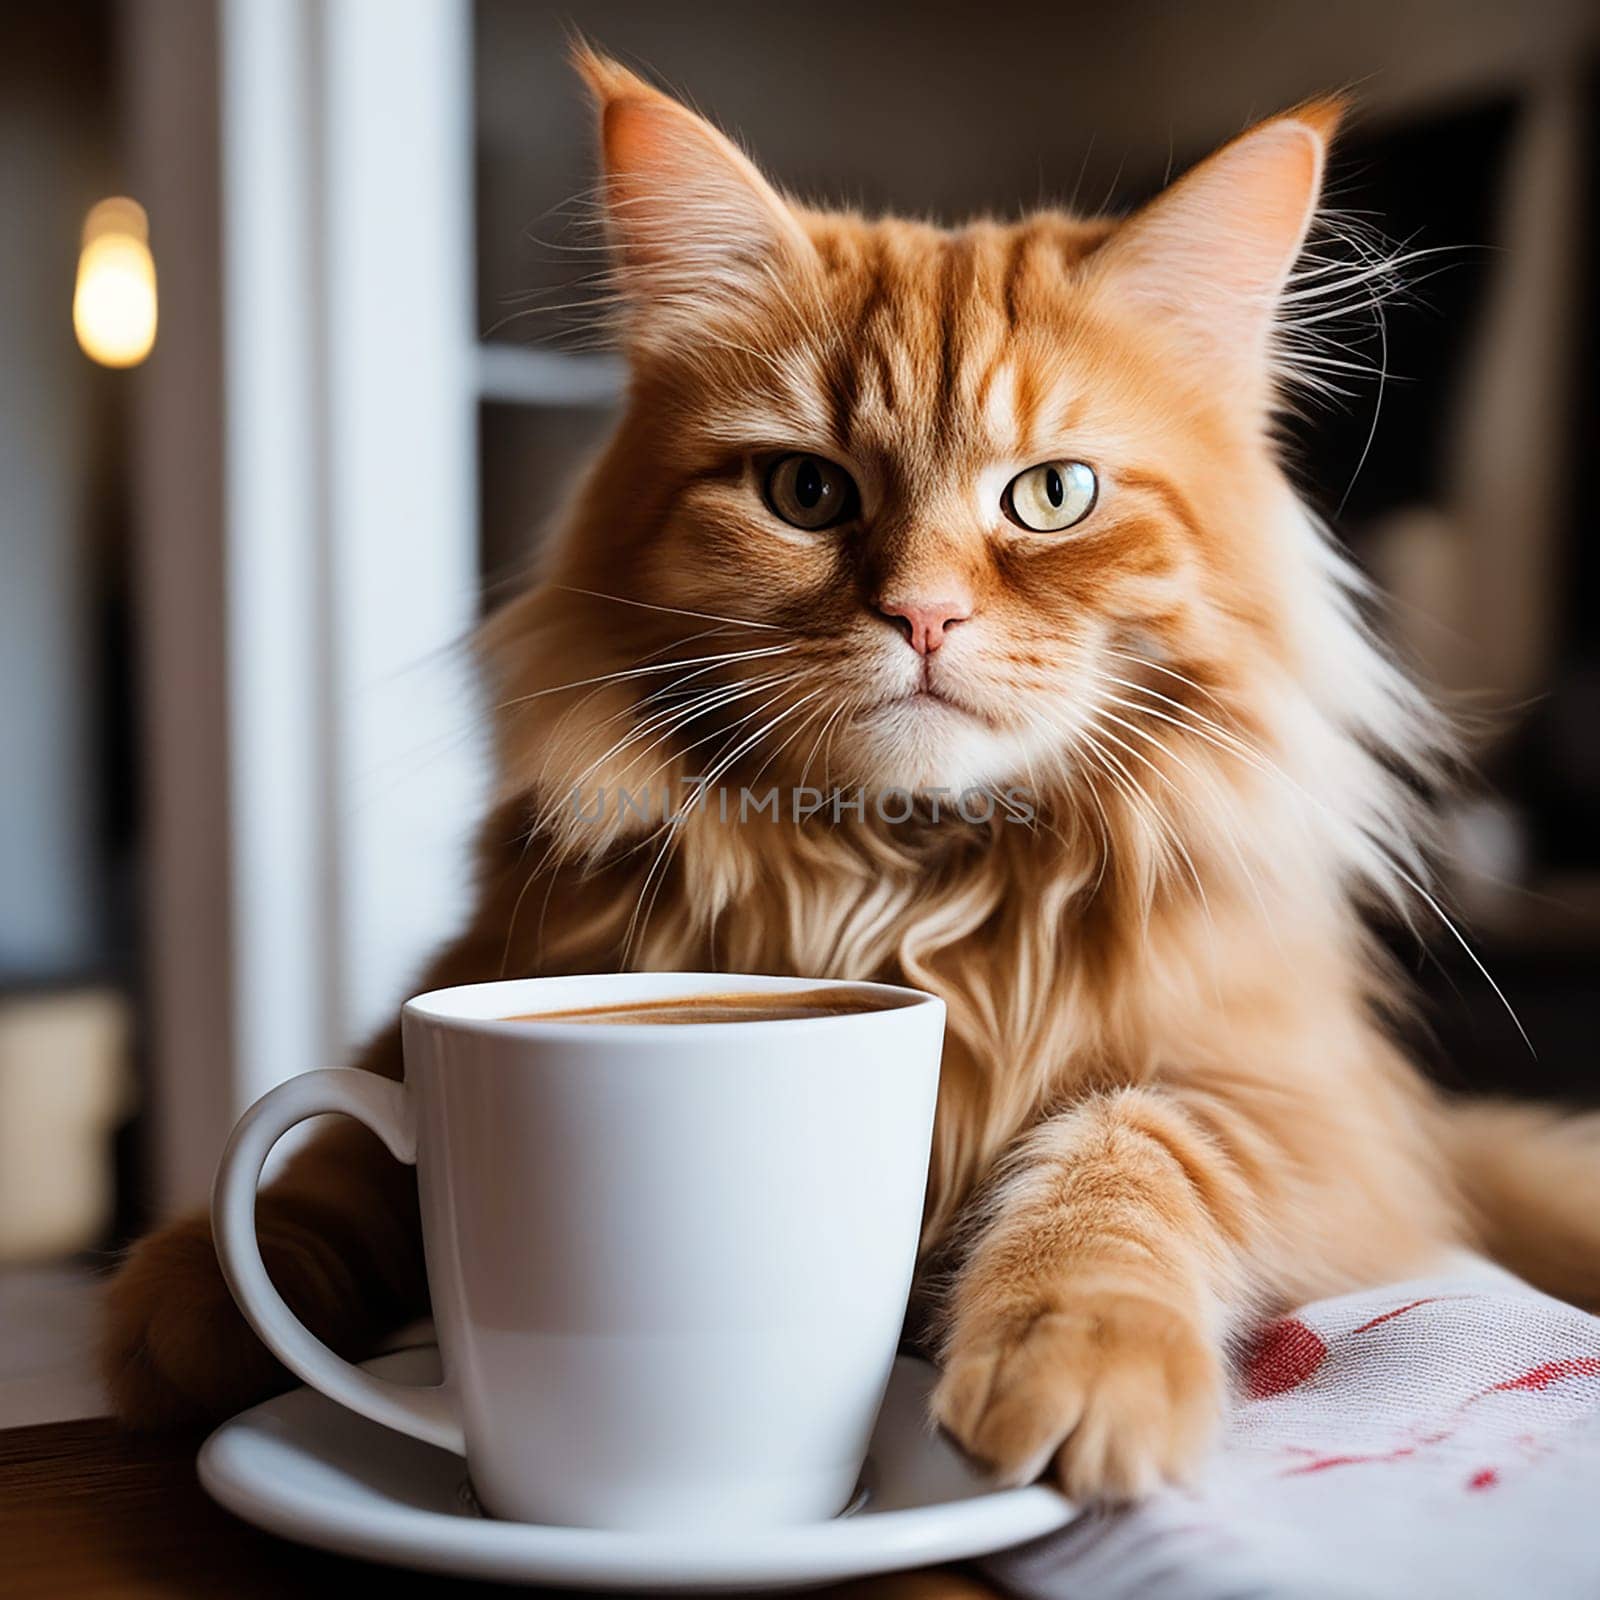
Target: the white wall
(400, 465)
(351, 509)
(303, 876)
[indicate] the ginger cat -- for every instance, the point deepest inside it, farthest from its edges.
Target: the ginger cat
(893, 507)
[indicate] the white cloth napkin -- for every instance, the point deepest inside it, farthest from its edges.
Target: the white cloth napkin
(1433, 1438)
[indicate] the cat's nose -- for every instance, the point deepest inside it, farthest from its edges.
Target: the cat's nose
(924, 622)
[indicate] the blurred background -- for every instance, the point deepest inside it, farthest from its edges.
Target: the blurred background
(272, 435)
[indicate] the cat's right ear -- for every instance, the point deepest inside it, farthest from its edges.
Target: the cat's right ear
(693, 224)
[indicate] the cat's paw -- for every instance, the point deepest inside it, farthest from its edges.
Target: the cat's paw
(175, 1349)
(1114, 1394)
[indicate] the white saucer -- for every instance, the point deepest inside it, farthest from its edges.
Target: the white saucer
(307, 1469)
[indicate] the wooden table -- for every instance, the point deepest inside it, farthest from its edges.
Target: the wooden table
(87, 1509)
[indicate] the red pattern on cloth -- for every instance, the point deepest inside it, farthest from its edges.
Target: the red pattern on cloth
(1541, 1377)
(1399, 1311)
(1359, 1460)
(1285, 1353)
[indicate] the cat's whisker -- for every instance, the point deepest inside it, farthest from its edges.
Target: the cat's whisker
(1105, 839)
(639, 671)
(1173, 833)
(1198, 726)
(1326, 363)
(1133, 796)
(662, 701)
(1119, 775)
(780, 683)
(1166, 699)
(1222, 812)
(628, 674)
(1092, 770)
(701, 788)
(739, 722)
(664, 725)
(1220, 739)
(631, 707)
(805, 723)
(725, 763)
(827, 749)
(1182, 678)
(1258, 760)
(1382, 326)
(678, 611)
(725, 733)
(1033, 781)
(822, 733)
(1039, 820)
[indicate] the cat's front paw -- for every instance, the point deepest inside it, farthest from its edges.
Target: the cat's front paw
(1114, 1394)
(175, 1349)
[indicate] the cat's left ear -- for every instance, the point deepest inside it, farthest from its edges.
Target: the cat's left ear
(1209, 256)
(694, 225)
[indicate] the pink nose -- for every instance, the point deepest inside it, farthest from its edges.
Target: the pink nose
(925, 622)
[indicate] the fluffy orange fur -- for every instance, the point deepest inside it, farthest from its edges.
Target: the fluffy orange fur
(1169, 1100)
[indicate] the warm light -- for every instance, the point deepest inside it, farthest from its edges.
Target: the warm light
(114, 303)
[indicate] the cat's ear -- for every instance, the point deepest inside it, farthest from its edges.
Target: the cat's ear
(1210, 255)
(692, 222)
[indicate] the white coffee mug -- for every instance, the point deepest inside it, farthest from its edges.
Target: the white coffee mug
(668, 1261)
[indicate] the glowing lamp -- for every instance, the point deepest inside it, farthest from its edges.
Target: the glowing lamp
(114, 302)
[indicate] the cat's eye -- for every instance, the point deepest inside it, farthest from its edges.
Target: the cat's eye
(1052, 496)
(810, 492)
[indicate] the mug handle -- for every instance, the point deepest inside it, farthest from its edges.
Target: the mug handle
(430, 1414)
